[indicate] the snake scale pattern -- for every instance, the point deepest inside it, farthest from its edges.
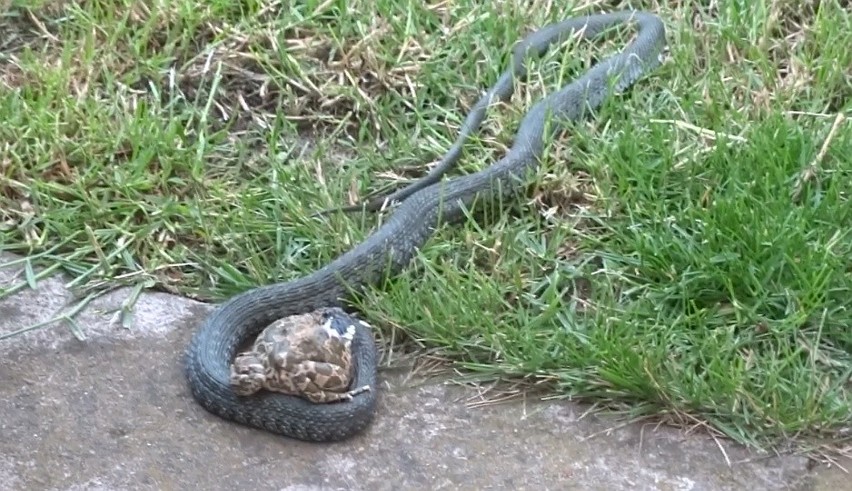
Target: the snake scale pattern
(424, 205)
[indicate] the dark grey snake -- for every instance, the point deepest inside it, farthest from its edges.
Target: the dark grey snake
(424, 205)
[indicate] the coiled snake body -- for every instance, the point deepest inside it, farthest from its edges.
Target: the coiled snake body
(394, 244)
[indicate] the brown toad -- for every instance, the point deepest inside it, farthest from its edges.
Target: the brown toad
(308, 355)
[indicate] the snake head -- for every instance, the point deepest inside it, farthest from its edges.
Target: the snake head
(247, 374)
(338, 323)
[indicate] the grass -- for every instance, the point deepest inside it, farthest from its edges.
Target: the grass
(684, 254)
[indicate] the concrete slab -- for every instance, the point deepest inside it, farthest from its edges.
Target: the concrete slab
(114, 412)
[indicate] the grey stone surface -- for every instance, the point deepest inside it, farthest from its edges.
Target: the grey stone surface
(114, 412)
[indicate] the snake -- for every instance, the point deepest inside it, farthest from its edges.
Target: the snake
(420, 209)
